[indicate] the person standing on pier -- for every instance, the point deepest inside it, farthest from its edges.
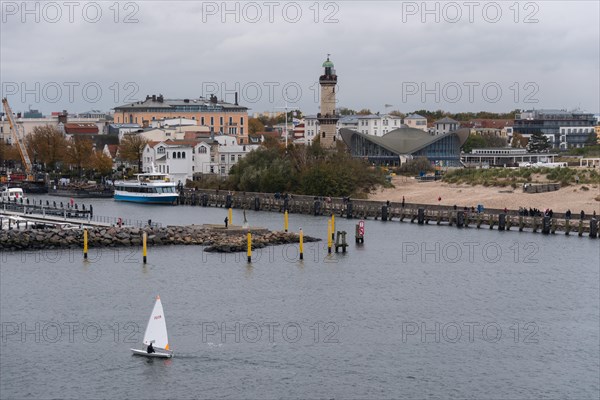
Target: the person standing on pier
(568, 214)
(402, 201)
(582, 214)
(226, 221)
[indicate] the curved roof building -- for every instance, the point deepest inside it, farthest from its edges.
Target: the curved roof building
(405, 143)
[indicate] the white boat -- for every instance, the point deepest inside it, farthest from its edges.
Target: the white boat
(150, 187)
(12, 194)
(156, 333)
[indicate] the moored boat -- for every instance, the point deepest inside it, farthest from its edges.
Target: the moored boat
(150, 187)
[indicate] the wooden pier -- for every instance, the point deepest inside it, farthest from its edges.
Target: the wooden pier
(392, 211)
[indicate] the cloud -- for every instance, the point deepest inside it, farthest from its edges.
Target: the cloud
(178, 48)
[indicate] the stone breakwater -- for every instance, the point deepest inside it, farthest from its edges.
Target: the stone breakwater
(216, 240)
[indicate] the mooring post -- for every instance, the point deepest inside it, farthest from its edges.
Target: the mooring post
(567, 227)
(301, 245)
(501, 222)
(332, 226)
(593, 228)
(285, 221)
(520, 223)
(329, 235)
(144, 246)
(85, 244)
(249, 247)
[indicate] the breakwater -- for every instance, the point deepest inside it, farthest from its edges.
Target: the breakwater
(503, 220)
(217, 239)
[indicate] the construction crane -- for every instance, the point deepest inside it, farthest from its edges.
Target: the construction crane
(18, 135)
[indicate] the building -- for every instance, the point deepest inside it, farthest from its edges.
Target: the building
(403, 144)
(374, 124)
(503, 157)
(444, 125)
(416, 121)
(564, 129)
(58, 120)
(328, 116)
(182, 159)
(218, 116)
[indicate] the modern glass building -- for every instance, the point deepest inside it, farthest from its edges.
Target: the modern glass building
(565, 129)
(406, 143)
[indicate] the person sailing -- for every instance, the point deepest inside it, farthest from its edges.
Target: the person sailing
(150, 349)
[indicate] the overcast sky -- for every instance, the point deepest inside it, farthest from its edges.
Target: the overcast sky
(454, 56)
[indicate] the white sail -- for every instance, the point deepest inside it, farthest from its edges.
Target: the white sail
(156, 331)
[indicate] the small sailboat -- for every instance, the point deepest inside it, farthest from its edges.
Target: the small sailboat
(156, 333)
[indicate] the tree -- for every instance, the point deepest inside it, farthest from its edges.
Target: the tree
(47, 144)
(101, 163)
(79, 153)
(518, 141)
(8, 154)
(346, 111)
(132, 148)
(255, 125)
(592, 140)
(397, 113)
(538, 143)
(364, 111)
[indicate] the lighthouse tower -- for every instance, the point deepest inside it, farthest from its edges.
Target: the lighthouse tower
(327, 117)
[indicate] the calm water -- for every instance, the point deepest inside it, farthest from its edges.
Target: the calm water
(418, 311)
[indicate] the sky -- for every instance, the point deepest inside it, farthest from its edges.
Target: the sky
(389, 55)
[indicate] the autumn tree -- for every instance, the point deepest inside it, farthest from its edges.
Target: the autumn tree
(8, 153)
(364, 111)
(518, 141)
(79, 153)
(47, 145)
(255, 125)
(132, 148)
(101, 163)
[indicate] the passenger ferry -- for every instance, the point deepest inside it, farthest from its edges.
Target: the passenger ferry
(150, 187)
(12, 194)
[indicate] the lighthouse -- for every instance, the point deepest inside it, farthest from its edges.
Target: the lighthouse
(327, 117)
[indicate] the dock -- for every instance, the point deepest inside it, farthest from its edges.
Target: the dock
(392, 211)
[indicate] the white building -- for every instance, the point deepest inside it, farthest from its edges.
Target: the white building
(374, 124)
(29, 124)
(181, 159)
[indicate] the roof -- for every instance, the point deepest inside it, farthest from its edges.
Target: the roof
(83, 127)
(112, 149)
(446, 120)
(404, 140)
(415, 116)
(172, 104)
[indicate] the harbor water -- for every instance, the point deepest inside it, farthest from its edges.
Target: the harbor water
(414, 312)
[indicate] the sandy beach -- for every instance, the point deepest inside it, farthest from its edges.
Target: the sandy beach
(570, 197)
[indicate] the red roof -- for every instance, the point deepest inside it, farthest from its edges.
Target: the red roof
(79, 128)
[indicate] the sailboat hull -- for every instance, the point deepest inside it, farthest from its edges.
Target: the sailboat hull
(157, 354)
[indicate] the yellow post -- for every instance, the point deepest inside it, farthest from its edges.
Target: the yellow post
(329, 236)
(230, 216)
(332, 226)
(249, 247)
(301, 244)
(85, 244)
(144, 246)
(285, 221)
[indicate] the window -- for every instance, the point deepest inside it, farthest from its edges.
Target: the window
(212, 120)
(222, 157)
(220, 120)
(183, 154)
(233, 157)
(202, 121)
(230, 120)
(241, 130)
(202, 150)
(242, 121)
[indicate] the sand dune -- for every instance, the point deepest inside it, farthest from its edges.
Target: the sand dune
(570, 197)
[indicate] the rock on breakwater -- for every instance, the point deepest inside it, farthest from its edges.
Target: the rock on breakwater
(216, 240)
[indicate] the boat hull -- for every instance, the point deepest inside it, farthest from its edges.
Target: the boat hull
(146, 199)
(157, 354)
